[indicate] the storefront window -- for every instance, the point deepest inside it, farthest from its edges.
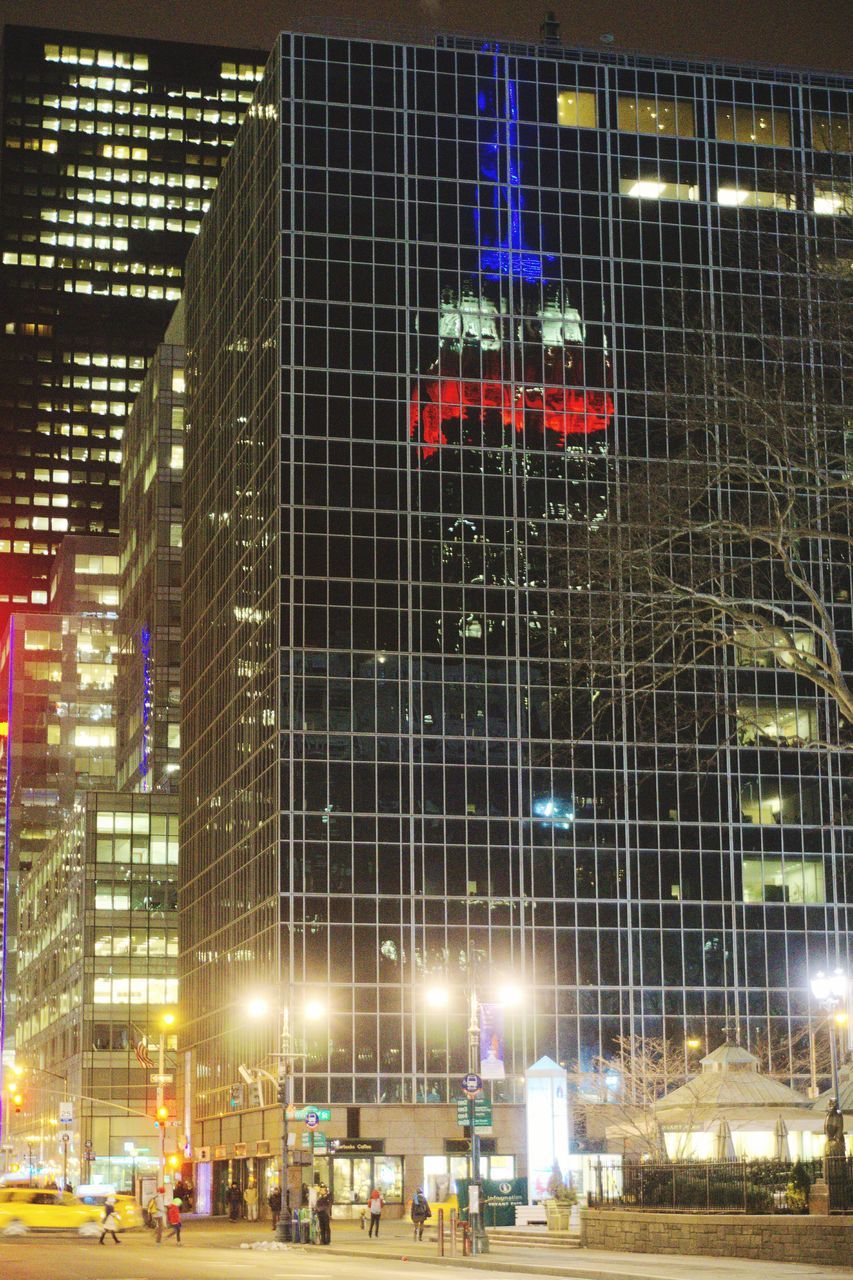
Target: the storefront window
(442, 1173)
(353, 1178)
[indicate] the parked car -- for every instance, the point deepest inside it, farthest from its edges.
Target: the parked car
(25, 1209)
(126, 1208)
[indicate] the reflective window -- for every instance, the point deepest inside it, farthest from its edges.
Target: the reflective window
(673, 119)
(765, 127)
(794, 880)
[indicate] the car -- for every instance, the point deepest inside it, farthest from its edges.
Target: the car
(126, 1208)
(25, 1209)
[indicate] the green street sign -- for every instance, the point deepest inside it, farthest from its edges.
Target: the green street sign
(322, 1112)
(319, 1142)
(482, 1113)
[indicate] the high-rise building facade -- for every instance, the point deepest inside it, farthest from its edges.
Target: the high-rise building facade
(57, 673)
(419, 315)
(149, 625)
(112, 147)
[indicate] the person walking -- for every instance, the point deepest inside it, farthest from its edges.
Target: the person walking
(274, 1202)
(323, 1210)
(375, 1204)
(157, 1213)
(420, 1212)
(110, 1222)
(235, 1200)
(250, 1199)
(173, 1217)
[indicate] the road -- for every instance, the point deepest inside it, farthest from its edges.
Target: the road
(212, 1252)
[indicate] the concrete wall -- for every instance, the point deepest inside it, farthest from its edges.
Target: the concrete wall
(823, 1241)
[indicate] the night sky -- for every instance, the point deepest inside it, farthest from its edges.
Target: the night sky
(803, 33)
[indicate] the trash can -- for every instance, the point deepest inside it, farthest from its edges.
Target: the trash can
(304, 1226)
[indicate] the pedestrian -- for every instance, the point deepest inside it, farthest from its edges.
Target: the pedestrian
(68, 1187)
(110, 1223)
(274, 1202)
(323, 1210)
(187, 1197)
(235, 1200)
(420, 1212)
(250, 1199)
(173, 1216)
(375, 1204)
(157, 1213)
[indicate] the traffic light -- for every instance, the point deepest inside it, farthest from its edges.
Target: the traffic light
(236, 1097)
(162, 1114)
(282, 1091)
(18, 1100)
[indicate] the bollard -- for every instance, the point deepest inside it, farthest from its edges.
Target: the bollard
(441, 1233)
(453, 1226)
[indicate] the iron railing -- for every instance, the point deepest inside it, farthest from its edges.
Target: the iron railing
(727, 1186)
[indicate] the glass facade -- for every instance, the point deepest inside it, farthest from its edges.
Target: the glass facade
(149, 626)
(112, 147)
(419, 315)
(97, 965)
(57, 675)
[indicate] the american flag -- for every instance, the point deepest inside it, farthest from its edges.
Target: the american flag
(140, 1048)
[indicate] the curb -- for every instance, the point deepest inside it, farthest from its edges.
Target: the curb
(578, 1271)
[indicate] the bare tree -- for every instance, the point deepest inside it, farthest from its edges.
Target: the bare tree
(726, 548)
(624, 1088)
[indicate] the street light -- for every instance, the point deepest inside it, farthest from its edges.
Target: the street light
(259, 1007)
(509, 996)
(830, 991)
(167, 1020)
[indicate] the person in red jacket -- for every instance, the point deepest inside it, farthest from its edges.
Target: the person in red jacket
(375, 1206)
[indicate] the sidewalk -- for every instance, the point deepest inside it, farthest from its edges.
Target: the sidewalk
(396, 1244)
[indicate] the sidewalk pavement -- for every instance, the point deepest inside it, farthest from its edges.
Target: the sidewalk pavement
(396, 1244)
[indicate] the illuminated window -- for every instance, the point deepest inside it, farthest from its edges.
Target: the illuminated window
(832, 133)
(654, 189)
(741, 198)
(768, 647)
(833, 203)
(673, 119)
(795, 880)
(785, 722)
(753, 124)
(577, 110)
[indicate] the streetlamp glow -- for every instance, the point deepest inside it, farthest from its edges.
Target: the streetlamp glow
(314, 1010)
(258, 1007)
(830, 991)
(510, 996)
(437, 997)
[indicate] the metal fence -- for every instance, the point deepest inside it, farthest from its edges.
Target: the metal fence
(728, 1186)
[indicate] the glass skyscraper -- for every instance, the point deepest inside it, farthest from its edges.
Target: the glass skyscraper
(111, 149)
(419, 316)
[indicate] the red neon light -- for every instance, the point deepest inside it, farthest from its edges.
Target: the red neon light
(439, 404)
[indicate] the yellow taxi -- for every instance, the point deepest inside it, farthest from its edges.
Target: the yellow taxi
(25, 1209)
(126, 1208)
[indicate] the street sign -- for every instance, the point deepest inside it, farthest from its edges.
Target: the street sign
(66, 1112)
(320, 1141)
(471, 1083)
(89, 1155)
(312, 1119)
(302, 1113)
(65, 1137)
(482, 1113)
(162, 1079)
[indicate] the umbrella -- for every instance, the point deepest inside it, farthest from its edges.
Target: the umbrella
(781, 1135)
(725, 1143)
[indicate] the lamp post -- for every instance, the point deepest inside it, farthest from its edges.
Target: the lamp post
(438, 997)
(830, 991)
(167, 1020)
(259, 1008)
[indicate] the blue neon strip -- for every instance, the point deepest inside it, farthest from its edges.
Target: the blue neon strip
(503, 253)
(147, 701)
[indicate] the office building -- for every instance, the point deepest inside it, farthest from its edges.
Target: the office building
(57, 673)
(93, 896)
(112, 147)
(97, 963)
(418, 317)
(149, 626)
